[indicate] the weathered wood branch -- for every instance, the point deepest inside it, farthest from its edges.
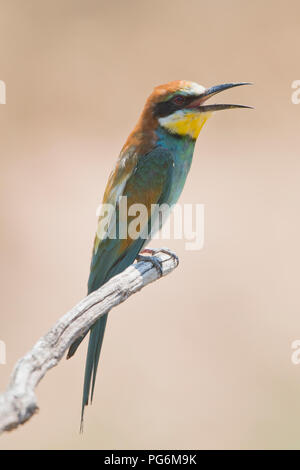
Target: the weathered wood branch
(18, 403)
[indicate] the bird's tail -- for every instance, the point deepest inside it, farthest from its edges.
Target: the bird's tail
(92, 360)
(99, 275)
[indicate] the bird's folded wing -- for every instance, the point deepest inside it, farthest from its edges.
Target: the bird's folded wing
(147, 185)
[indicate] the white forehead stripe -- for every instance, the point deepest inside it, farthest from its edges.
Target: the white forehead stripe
(193, 89)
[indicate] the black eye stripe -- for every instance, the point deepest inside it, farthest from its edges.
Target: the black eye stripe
(166, 108)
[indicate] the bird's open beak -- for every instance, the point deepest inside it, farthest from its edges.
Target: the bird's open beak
(214, 90)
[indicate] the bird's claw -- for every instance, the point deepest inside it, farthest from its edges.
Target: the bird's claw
(152, 259)
(155, 262)
(154, 251)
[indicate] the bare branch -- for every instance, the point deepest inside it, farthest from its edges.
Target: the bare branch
(19, 402)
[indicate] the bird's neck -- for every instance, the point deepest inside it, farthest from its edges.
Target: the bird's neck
(176, 144)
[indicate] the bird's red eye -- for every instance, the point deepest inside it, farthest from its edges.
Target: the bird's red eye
(179, 100)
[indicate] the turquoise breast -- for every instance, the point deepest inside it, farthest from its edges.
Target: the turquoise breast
(182, 150)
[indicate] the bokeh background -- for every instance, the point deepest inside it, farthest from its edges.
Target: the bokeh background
(201, 359)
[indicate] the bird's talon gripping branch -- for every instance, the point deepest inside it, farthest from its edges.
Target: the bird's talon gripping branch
(154, 251)
(171, 253)
(152, 259)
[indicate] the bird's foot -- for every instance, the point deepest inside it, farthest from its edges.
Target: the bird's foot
(154, 251)
(151, 252)
(151, 259)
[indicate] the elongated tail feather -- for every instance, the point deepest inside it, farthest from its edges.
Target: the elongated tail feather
(98, 329)
(92, 360)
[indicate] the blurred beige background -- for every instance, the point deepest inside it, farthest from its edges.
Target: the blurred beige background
(201, 359)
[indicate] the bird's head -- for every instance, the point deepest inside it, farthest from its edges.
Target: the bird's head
(180, 106)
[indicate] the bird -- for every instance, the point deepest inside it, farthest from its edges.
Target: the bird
(151, 169)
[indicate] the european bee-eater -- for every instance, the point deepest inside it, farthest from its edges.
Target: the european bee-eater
(151, 169)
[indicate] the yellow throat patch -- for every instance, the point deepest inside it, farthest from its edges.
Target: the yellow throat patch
(186, 122)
